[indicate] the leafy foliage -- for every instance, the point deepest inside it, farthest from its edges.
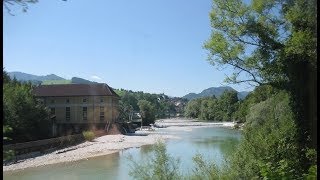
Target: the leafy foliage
(273, 43)
(256, 38)
(221, 109)
(161, 166)
(269, 148)
(261, 93)
(193, 108)
(88, 135)
(28, 118)
(147, 112)
(204, 169)
(162, 104)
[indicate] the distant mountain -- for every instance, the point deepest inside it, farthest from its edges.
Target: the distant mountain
(48, 79)
(51, 77)
(243, 94)
(216, 91)
(76, 80)
(20, 76)
(190, 96)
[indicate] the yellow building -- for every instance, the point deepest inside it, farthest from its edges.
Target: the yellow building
(77, 107)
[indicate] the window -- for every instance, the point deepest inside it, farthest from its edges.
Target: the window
(67, 100)
(101, 113)
(52, 101)
(84, 113)
(101, 100)
(67, 113)
(84, 100)
(52, 111)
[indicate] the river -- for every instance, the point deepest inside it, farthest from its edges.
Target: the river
(212, 142)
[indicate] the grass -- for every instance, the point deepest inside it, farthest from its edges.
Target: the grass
(48, 82)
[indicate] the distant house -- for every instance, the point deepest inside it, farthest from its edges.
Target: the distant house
(76, 107)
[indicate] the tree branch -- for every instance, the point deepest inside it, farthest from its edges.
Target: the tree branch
(252, 75)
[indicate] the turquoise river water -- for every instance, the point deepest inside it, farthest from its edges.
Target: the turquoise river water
(212, 142)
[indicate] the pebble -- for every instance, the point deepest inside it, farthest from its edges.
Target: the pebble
(101, 146)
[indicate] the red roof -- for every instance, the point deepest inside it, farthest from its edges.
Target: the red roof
(98, 89)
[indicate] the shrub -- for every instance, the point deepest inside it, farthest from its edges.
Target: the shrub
(160, 166)
(204, 169)
(88, 135)
(8, 155)
(269, 147)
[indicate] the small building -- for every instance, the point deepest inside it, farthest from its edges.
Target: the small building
(77, 107)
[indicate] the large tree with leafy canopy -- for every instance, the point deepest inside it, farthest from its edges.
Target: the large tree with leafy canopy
(270, 42)
(24, 117)
(147, 112)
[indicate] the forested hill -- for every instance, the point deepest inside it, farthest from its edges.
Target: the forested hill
(47, 79)
(216, 91)
(20, 76)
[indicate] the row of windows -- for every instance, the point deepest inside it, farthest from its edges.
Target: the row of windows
(67, 100)
(84, 113)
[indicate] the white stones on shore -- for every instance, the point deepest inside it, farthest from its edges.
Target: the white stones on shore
(100, 146)
(194, 123)
(111, 143)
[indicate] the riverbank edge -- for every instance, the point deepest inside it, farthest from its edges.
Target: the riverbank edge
(69, 156)
(136, 142)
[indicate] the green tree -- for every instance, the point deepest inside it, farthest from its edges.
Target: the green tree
(256, 38)
(204, 110)
(162, 103)
(6, 77)
(269, 148)
(260, 93)
(130, 100)
(192, 109)
(28, 118)
(147, 112)
(125, 111)
(227, 103)
(161, 166)
(272, 42)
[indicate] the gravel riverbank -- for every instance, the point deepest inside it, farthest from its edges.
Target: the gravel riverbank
(110, 144)
(100, 146)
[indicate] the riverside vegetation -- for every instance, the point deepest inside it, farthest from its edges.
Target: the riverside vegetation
(24, 117)
(88, 135)
(150, 106)
(273, 42)
(269, 148)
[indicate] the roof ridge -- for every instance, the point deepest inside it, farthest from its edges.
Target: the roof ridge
(98, 89)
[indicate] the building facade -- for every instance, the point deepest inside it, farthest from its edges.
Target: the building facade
(78, 107)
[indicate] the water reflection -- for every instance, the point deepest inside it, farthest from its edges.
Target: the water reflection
(146, 149)
(97, 168)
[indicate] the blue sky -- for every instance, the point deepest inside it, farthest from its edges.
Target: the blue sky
(151, 46)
